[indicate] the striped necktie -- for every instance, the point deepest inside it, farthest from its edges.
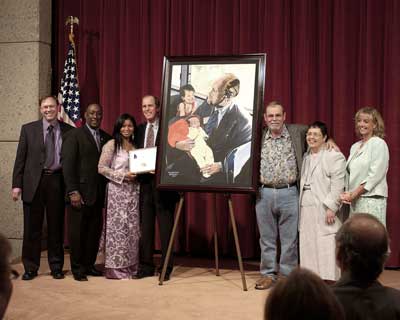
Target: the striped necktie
(150, 137)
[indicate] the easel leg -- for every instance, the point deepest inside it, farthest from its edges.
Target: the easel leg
(171, 241)
(216, 245)
(235, 234)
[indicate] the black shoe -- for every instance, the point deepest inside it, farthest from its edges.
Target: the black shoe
(80, 277)
(29, 275)
(94, 272)
(57, 274)
(144, 274)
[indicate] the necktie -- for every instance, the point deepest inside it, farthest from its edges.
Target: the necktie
(49, 147)
(212, 122)
(97, 139)
(150, 137)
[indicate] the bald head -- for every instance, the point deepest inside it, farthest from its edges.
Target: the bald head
(362, 245)
(223, 89)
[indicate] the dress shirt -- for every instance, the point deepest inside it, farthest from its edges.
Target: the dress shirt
(96, 136)
(155, 129)
(278, 159)
(222, 111)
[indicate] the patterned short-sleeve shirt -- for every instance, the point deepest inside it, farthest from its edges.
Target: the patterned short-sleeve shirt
(278, 159)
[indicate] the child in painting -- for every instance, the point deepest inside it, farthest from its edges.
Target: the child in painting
(188, 104)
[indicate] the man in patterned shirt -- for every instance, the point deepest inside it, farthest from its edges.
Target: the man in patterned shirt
(282, 149)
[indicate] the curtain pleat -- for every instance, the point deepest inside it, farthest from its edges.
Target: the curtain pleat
(325, 60)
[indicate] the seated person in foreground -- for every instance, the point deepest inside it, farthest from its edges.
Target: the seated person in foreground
(362, 247)
(302, 295)
(5, 281)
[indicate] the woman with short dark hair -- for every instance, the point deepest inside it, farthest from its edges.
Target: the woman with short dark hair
(322, 181)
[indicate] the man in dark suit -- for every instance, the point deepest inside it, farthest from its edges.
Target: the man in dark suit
(38, 175)
(153, 202)
(362, 247)
(85, 189)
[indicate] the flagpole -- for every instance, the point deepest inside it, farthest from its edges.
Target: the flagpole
(69, 96)
(70, 21)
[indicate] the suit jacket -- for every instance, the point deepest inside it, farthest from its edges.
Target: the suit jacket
(370, 166)
(233, 131)
(79, 158)
(297, 134)
(29, 162)
(367, 302)
(327, 182)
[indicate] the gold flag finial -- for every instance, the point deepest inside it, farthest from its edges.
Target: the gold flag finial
(71, 20)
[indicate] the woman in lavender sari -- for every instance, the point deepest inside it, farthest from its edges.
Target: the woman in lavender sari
(122, 229)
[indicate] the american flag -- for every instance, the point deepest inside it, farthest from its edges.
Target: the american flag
(68, 97)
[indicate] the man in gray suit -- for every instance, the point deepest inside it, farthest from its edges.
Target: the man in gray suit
(38, 176)
(282, 149)
(362, 247)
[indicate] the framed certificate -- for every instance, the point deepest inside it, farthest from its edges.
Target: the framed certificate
(142, 160)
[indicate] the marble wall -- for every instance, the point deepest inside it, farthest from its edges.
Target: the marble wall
(25, 75)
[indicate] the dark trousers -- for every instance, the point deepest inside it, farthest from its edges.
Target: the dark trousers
(161, 204)
(49, 198)
(85, 227)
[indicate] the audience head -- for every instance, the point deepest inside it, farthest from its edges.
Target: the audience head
(124, 128)
(150, 107)
(369, 117)
(302, 295)
(275, 116)
(5, 271)
(94, 115)
(362, 246)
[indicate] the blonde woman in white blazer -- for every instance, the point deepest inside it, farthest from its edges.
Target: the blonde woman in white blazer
(367, 166)
(322, 182)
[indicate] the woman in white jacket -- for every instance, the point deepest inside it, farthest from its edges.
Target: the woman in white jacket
(322, 182)
(367, 166)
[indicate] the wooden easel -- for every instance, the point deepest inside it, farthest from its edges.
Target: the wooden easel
(235, 234)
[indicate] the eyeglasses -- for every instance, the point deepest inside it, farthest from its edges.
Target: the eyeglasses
(313, 134)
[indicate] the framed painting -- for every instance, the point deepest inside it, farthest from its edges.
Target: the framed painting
(211, 119)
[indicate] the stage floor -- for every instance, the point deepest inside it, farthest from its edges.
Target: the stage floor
(194, 292)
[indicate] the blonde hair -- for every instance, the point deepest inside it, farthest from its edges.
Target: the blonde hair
(379, 129)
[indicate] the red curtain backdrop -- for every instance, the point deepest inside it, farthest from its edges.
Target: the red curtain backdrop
(325, 60)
